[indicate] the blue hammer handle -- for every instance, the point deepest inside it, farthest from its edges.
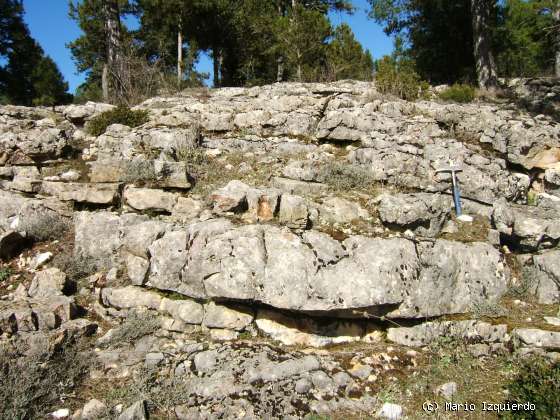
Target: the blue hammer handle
(456, 195)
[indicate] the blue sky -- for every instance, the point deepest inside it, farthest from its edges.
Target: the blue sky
(50, 25)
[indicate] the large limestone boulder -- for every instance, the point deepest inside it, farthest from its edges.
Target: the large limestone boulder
(527, 227)
(238, 197)
(428, 332)
(149, 199)
(294, 212)
(298, 331)
(81, 192)
(232, 318)
(413, 164)
(340, 210)
(78, 114)
(532, 337)
(257, 263)
(423, 213)
(49, 282)
(544, 276)
(130, 297)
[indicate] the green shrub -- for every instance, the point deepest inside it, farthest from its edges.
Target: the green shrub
(34, 380)
(45, 226)
(345, 177)
(136, 325)
(399, 78)
(119, 115)
(538, 382)
(139, 171)
(5, 273)
(458, 93)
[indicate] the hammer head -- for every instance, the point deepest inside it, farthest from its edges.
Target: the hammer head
(450, 169)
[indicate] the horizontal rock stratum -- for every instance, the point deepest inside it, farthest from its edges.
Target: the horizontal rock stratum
(357, 277)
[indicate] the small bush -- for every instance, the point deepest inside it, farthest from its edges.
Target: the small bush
(5, 273)
(119, 115)
(76, 268)
(193, 156)
(33, 381)
(458, 93)
(538, 382)
(399, 79)
(344, 177)
(140, 171)
(45, 226)
(136, 325)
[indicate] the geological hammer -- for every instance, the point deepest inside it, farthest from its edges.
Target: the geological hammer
(453, 169)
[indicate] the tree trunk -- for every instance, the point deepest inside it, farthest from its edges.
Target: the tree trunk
(105, 83)
(280, 71)
(484, 59)
(557, 40)
(216, 55)
(179, 57)
(113, 43)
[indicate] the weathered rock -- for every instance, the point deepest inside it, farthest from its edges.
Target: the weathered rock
(205, 361)
(528, 227)
(298, 331)
(232, 318)
(426, 333)
(97, 236)
(25, 179)
(136, 411)
(147, 199)
(276, 371)
(81, 192)
(93, 409)
(423, 213)
(49, 282)
(413, 164)
(294, 212)
(327, 249)
(546, 280)
(237, 197)
(187, 311)
(130, 297)
(468, 273)
(292, 186)
(390, 411)
(139, 236)
(532, 337)
(339, 210)
(80, 113)
(100, 235)
(447, 390)
(187, 209)
(137, 268)
(233, 197)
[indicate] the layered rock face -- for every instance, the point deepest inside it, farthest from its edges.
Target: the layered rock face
(304, 212)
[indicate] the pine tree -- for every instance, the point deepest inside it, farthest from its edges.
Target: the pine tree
(303, 35)
(438, 35)
(167, 34)
(524, 42)
(29, 77)
(346, 58)
(48, 84)
(91, 50)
